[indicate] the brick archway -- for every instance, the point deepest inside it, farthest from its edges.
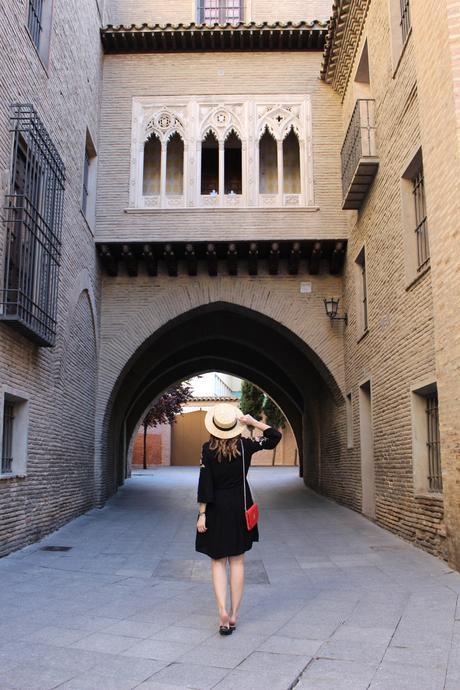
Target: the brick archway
(242, 341)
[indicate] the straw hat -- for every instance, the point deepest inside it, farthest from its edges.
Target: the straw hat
(221, 421)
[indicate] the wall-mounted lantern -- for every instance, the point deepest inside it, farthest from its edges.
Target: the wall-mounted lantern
(332, 306)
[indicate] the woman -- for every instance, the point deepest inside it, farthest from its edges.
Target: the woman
(222, 533)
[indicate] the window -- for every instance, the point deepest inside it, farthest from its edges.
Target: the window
(421, 229)
(175, 166)
(400, 28)
(291, 164)
(7, 440)
(163, 167)
(349, 412)
(414, 218)
(239, 152)
(363, 323)
(233, 170)
(88, 202)
(268, 164)
(432, 442)
(39, 26)
(152, 166)
(426, 439)
(405, 22)
(210, 165)
(14, 429)
(220, 11)
(33, 220)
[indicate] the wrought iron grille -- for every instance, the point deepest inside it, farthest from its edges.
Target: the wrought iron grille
(421, 226)
(405, 21)
(33, 219)
(34, 21)
(84, 203)
(7, 438)
(433, 443)
(359, 140)
(220, 11)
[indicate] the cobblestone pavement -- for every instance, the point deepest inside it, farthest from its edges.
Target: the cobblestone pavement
(332, 601)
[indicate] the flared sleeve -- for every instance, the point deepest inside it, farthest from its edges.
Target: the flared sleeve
(269, 440)
(205, 492)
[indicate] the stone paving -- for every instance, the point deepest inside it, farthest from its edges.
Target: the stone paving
(332, 602)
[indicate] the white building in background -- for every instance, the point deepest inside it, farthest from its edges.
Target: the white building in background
(215, 384)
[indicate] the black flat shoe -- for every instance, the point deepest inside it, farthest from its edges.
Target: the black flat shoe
(232, 626)
(225, 630)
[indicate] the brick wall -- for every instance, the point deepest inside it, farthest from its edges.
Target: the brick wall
(60, 382)
(127, 76)
(399, 349)
(165, 11)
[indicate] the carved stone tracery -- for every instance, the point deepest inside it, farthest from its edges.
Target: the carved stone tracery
(247, 117)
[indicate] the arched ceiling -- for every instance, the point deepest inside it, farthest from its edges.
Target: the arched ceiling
(219, 337)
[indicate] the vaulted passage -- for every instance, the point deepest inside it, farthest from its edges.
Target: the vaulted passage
(242, 342)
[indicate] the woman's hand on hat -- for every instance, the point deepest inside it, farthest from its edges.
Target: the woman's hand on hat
(246, 419)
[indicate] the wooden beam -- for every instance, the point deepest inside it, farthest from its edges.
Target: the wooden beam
(337, 258)
(315, 258)
(130, 260)
(151, 263)
(253, 259)
(192, 262)
(232, 259)
(171, 260)
(294, 259)
(211, 256)
(108, 260)
(274, 259)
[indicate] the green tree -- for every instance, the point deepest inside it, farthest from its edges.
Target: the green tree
(252, 400)
(273, 415)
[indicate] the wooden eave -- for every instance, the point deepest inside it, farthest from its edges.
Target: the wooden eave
(292, 257)
(170, 38)
(345, 29)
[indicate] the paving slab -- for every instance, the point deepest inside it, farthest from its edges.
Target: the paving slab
(332, 602)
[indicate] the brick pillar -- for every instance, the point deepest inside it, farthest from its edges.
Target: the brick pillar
(436, 36)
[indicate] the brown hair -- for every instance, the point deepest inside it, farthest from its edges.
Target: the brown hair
(226, 447)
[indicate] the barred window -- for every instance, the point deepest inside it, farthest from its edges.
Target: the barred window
(421, 228)
(84, 201)
(34, 21)
(39, 26)
(220, 11)
(433, 443)
(88, 197)
(363, 316)
(405, 21)
(7, 437)
(33, 220)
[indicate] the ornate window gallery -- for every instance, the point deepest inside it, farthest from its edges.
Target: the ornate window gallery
(227, 153)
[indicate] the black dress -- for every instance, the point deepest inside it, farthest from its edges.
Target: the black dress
(220, 486)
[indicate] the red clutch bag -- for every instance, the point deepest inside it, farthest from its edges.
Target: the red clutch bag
(252, 515)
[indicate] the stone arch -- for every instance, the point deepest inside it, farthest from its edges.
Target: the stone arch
(216, 335)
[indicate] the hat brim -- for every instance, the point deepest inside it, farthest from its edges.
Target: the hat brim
(219, 433)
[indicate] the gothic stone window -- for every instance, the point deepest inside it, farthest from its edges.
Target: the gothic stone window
(33, 221)
(241, 152)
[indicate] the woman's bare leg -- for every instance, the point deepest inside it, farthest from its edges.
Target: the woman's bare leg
(236, 584)
(219, 581)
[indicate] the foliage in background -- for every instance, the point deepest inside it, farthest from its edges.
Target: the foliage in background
(252, 400)
(256, 403)
(273, 415)
(165, 409)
